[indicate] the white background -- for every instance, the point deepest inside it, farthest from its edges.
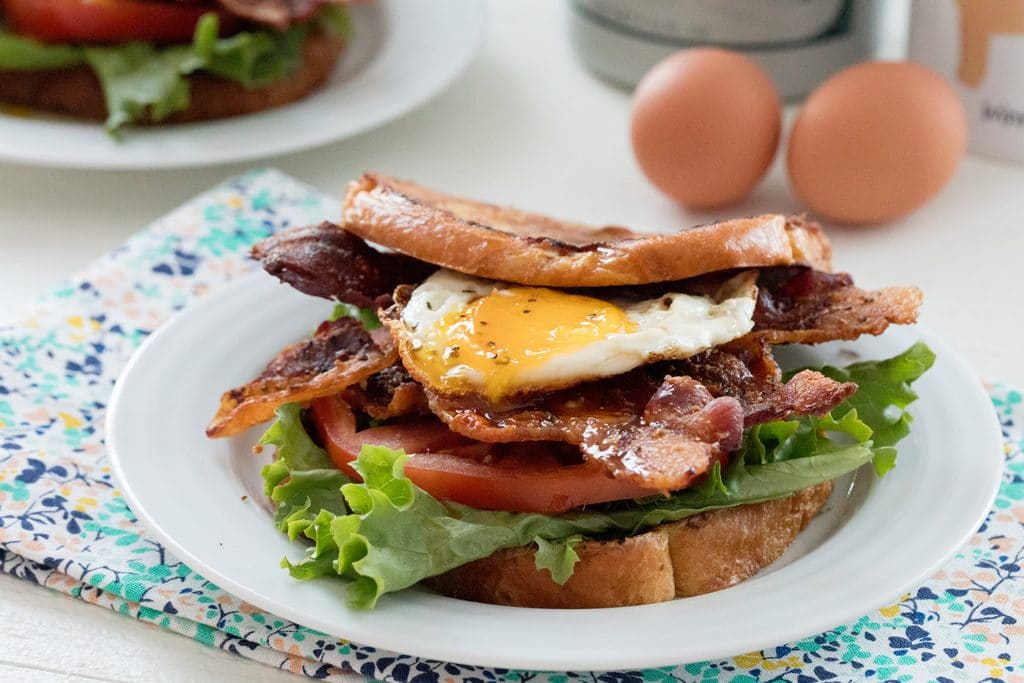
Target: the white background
(526, 125)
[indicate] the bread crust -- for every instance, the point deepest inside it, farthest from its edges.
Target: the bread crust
(502, 243)
(735, 543)
(633, 571)
(77, 92)
(696, 555)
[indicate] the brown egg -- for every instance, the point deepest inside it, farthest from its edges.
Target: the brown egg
(705, 126)
(876, 141)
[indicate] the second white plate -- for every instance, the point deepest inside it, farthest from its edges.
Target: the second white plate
(203, 499)
(403, 53)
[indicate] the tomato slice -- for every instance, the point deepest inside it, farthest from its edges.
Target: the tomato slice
(109, 21)
(526, 477)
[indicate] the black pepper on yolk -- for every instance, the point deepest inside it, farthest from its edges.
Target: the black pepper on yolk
(501, 335)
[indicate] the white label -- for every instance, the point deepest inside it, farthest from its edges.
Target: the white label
(978, 45)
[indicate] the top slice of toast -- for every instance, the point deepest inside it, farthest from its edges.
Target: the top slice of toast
(507, 244)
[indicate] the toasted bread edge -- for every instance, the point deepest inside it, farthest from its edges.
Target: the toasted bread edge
(503, 243)
(700, 554)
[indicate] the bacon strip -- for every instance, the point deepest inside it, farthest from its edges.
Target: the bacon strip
(326, 261)
(390, 393)
(799, 305)
(681, 433)
(339, 354)
(565, 415)
(806, 393)
(650, 429)
(746, 371)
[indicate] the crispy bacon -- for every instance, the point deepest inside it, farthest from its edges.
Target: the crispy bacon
(390, 393)
(338, 355)
(746, 371)
(680, 434)
(326, 261)
(800, 305)
(563, 415)
(640, 424)
(806, 393)
(744, 368)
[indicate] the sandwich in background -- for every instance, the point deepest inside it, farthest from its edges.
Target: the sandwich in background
(160, 61)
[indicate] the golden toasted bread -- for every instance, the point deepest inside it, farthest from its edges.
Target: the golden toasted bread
(700, 554)
(76, 91)
(507, 244)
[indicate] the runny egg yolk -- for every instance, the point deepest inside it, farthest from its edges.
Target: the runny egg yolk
(501, 334)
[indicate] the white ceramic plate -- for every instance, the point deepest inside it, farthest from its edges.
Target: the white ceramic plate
(403, 53)
(877, 539)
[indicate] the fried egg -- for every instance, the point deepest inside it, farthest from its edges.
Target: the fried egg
(460, 334)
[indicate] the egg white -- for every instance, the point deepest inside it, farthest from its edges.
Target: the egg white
(672, 326)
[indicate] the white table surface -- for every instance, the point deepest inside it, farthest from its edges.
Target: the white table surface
(526, 125)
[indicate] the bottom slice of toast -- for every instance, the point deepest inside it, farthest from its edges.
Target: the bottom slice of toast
(699, 554)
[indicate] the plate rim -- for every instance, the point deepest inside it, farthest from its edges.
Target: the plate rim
(592, 661)
(473, 22)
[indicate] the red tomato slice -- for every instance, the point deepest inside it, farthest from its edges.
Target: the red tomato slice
(108, 21)
(528, 477)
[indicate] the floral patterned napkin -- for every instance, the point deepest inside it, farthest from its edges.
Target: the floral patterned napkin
(64, 525)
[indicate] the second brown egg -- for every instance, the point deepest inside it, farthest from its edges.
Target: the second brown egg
(875, 142)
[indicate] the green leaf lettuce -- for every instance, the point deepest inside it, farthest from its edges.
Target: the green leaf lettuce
(19, 53)
(366, 316)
